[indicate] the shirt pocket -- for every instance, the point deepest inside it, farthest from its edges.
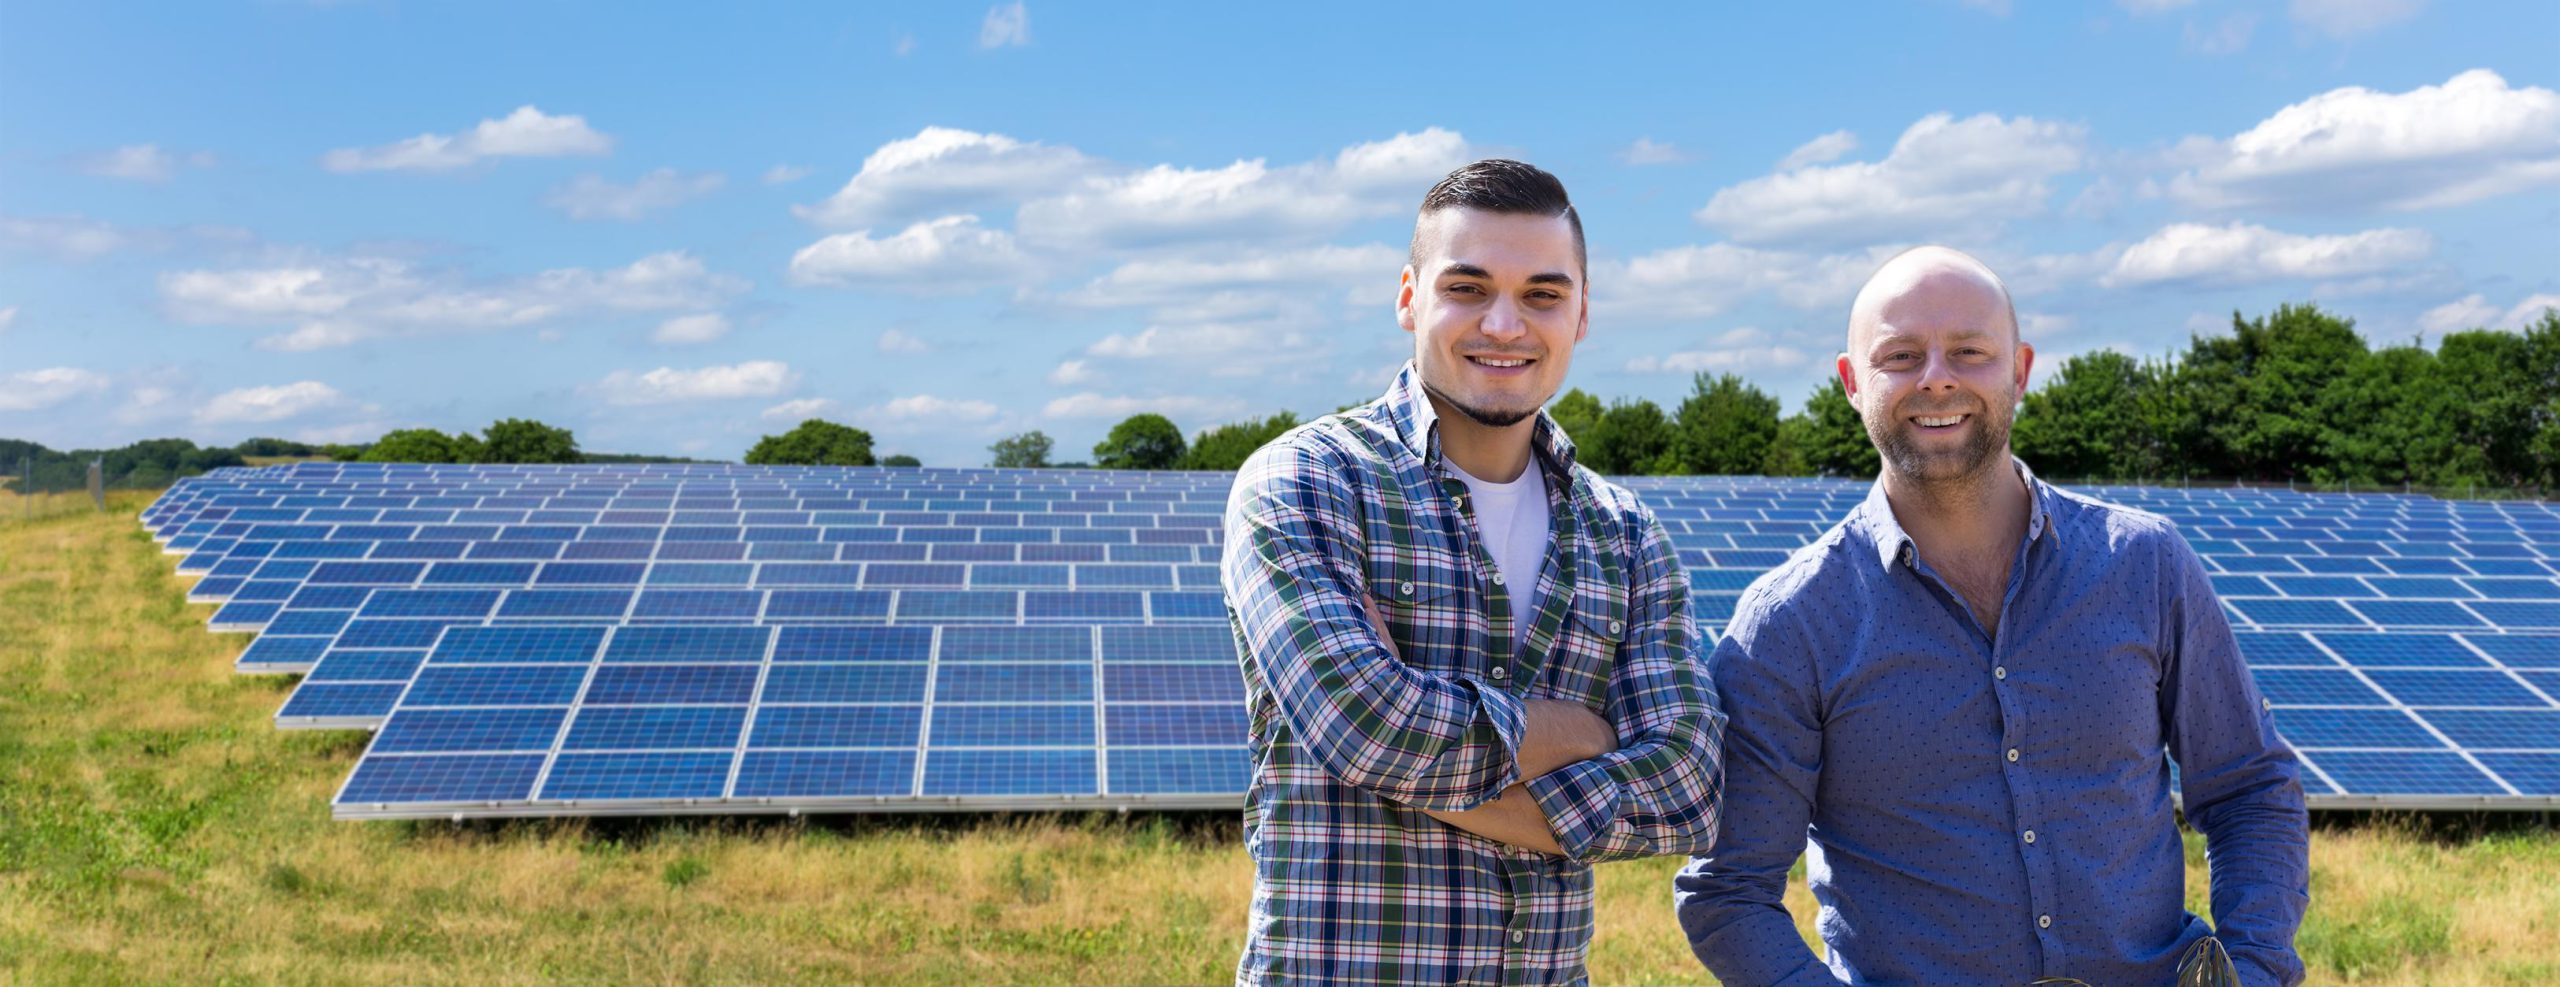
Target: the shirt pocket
(1585, 653)
(1427, 611)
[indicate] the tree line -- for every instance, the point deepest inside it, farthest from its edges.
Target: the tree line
(2294, 395)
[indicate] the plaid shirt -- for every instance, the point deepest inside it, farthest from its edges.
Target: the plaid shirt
(1352, 881)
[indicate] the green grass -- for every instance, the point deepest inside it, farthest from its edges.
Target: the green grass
(155, 828)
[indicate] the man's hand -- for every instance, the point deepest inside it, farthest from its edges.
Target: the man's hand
(1553, 733)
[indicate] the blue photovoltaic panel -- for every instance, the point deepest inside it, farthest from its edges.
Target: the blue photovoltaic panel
(1066, 627)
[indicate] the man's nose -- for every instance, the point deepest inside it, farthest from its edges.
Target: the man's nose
(1503, 319)
(1937, 374)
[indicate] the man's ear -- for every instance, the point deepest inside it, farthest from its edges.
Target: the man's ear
(1404, 300)
(2026, 362)
(1848, 378)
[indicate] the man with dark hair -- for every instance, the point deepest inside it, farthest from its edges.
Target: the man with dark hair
(1469, 663)
(1959, 698)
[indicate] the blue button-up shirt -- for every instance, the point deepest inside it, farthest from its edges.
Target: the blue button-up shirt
(1989, 808)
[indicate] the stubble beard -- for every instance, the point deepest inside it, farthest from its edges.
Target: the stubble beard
(1486, 417)
(1894, 438)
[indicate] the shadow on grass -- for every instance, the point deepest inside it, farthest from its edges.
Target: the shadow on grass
(2440, 828)
(1198, 830)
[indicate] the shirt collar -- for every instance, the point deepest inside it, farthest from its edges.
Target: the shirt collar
(1417, 425)
(1874, 516)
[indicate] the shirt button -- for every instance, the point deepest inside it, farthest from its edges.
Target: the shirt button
(1498, 581)
(1405, 588)
(1499, 673)
(2044, 921)
(1997, 672)
(2013, 755)
(2031, 837)
(1518, 935)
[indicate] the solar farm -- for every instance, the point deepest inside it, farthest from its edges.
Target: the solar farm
(659, 640)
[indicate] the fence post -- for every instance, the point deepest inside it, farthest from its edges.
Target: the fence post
(98, 483)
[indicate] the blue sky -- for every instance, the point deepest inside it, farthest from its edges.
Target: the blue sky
(675, 230)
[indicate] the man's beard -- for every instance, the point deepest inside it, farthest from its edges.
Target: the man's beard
(1488, 418)
(1894, 438)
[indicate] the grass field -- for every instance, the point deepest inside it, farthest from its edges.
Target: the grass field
(155, 828)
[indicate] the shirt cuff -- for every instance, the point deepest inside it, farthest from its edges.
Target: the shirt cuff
(1580, 801)
(1501, 710)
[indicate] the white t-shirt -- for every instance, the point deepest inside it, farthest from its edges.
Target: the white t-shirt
(1512, 519)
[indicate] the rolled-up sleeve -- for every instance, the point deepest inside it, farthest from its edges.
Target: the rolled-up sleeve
(1294, 576)
(2239, 781)
(1663, 790)
(1731, 899)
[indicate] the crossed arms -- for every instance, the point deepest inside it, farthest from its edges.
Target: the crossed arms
(1641, 777)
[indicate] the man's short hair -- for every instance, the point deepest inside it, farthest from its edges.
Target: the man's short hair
(1500, 185)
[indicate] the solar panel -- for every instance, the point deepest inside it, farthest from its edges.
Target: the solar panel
(541, 640)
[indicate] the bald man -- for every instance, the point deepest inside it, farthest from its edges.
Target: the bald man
(1954, 705)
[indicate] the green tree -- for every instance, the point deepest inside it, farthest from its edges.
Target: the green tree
(900, 459)
(416, 445)
(520, 440)
(1827, 438)
(1576, 412)
(1725, 426)
(1630, 437)
(2257, 393)
(2395, 416)
(1226, 446)
(2510, 382)
(815, 442)
(1029, 450)
(2088, 420)
(1146, 441)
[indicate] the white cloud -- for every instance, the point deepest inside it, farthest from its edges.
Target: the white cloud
(1201, 342)
(1007, 26)
(337, 301)
(36, 390)
(2241, 253)
(2476, 312)
(942, 167)
(1074, 373)
(141, 163)
(526, 133)
(799, 410)
(1092, 405)
(1646, 152)
(1185, 279)
(2227, 36)
(701, 327)
(592, 197)
(267, 404)
(8, 317)
(2346, 19)
(784, 174)
(1739, 350)
(1943, 175)
(1820, 150)
(2471, 138)
(79, 238)
(668, 385)
(2034, 326)
(946, 254)
(1700, 281)
(1246, 200)
(928, 408)
(898, 341)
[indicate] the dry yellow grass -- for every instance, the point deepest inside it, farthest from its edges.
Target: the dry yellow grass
(155, 828)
